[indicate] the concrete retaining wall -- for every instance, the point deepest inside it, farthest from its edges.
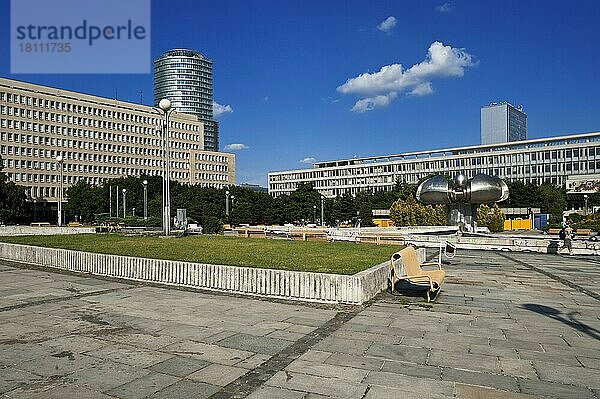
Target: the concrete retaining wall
(313, 287)
(43, 231)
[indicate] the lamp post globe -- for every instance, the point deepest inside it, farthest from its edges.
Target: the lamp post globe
(59, 158)
(165, 104)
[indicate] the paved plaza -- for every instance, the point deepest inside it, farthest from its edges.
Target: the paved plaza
(506, 325)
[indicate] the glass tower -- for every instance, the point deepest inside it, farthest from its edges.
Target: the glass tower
(501, 122)
(185, 78)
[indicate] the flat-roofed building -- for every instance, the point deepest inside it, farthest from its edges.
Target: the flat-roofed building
(546, 160)
(502, 122)
(99, 139)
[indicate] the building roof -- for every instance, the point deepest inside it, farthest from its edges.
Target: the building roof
(468, 149)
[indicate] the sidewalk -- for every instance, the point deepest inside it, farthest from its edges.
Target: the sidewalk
(506, 325)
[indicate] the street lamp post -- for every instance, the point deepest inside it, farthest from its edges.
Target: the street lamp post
(133, 212)
(59, 159)
(164, 106)
(110, 201)
(227, 202)
(145, 183)
(117, 208)
(315, 214)
(124, 202)
(322, 211)
(585, 198)
(35, 210)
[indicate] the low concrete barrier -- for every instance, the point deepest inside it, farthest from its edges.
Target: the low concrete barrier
(303, 286)
(513, 244)
(43, 231)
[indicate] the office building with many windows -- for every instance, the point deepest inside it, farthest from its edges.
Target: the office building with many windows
(501, 122)
(547, 160)
(98, 139)
(185, 77)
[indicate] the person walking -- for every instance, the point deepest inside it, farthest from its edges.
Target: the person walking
(568, 243)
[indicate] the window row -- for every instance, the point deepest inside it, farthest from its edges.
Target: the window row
(80, 109)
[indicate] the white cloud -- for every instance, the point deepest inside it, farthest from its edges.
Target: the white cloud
(422, 90)
(308, 160)
(387, 25)
(370, 103)
(219, 109)
(380, 88)
(236, 147)
(446, 7)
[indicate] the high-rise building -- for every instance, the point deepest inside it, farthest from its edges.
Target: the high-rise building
(502, 122)
(185, 78)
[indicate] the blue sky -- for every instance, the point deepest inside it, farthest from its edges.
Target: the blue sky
(287, 69)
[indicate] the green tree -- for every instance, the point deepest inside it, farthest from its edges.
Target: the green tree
(85, 200)
(404, 190)
(553, 200)
(13, 201)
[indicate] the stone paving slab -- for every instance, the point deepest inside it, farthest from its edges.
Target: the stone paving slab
(499, 329)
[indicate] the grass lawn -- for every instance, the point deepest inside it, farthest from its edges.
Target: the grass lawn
(321, 257)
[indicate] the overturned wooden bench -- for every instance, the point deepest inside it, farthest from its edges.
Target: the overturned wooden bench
(406, 274)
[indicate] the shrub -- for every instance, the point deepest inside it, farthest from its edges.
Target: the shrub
(588, 222)
(211, 225)
(408, 212)
(492, 218)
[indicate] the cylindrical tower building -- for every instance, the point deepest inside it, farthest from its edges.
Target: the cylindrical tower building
(185, 77)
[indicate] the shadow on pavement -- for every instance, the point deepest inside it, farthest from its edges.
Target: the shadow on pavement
(568, 318)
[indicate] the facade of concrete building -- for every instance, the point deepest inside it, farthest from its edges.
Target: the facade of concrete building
(501, 122)
(99, 139)
(548, 160)
(185, 77)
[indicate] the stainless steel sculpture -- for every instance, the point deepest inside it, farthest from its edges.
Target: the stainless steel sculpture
(462, 196)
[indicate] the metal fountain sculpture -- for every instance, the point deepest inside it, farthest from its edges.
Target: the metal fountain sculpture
(462, 196)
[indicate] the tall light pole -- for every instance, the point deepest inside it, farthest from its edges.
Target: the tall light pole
(124, 202)
(59, 160)
(164, 106)
(110, 201)
(322, 211)
(585, 198)
(315, 214)
(145, 183)
(227, 202)
(117, 209)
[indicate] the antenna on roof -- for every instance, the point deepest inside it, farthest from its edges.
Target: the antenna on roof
(116, 93)
(141, 93)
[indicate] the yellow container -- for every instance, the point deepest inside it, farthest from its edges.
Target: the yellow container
(518, 224)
